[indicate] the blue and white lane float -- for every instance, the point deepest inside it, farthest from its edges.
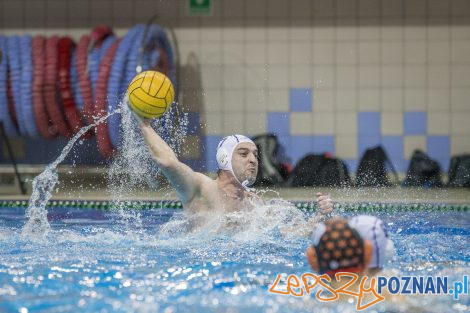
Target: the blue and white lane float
(94, 60)
(26, 87)
(74, 81)
(5, 118)
(155, 51)
(14, 63)
(117, 83)
(132, 50)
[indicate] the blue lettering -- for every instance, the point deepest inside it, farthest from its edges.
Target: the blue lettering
(429, 286)
(392, 290)
(382, 282)
(442, 284)
(465, 283)
(458, 288)
(418, 285)
(404, 291)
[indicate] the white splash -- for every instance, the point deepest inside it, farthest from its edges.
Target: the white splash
(261, 222)
(37, 226)
(133, 169)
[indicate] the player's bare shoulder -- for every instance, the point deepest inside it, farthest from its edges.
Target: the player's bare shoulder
(207, 196)
(203, 179)
(206, 185)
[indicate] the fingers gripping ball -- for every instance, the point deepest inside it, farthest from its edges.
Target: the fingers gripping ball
(151, 94)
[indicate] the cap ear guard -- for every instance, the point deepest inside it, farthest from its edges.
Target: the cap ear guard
(222, 158)
(318, 231)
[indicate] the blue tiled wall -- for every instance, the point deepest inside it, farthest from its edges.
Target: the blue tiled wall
(438, 148)
(369, 133)
(278, 123)
(209, 152)
(304, 71)
(300, 99)
(415, 123)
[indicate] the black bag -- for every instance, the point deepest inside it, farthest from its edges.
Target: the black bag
(423, 171)
(459, 171)
(372, 169)
(269, 167)
(333, 173)
(319, 170)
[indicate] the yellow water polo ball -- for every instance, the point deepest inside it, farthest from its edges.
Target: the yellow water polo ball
(150, 94)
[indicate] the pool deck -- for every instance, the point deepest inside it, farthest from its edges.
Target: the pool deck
(76, 183)
(392, 194)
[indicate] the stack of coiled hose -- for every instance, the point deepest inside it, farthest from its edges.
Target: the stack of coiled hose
(54, 86)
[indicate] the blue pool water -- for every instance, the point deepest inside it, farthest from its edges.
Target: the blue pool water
(152, 261)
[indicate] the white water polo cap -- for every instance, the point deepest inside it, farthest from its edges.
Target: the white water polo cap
(225, 151)
(373, 229)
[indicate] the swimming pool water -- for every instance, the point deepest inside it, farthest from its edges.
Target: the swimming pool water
(135, 261)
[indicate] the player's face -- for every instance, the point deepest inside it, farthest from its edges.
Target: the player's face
(245, 162)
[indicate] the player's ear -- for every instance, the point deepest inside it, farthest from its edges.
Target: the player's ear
(311, 255)
(368, 250)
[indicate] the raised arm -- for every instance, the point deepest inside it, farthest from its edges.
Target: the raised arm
(181, 176)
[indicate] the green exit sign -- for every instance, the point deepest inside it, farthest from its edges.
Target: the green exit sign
(200, 7)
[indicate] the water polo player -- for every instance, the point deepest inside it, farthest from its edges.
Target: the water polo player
(237, 160)
(337, 247)
(366, 232)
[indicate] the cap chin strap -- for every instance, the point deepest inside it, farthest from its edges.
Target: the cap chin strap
(245, 184)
